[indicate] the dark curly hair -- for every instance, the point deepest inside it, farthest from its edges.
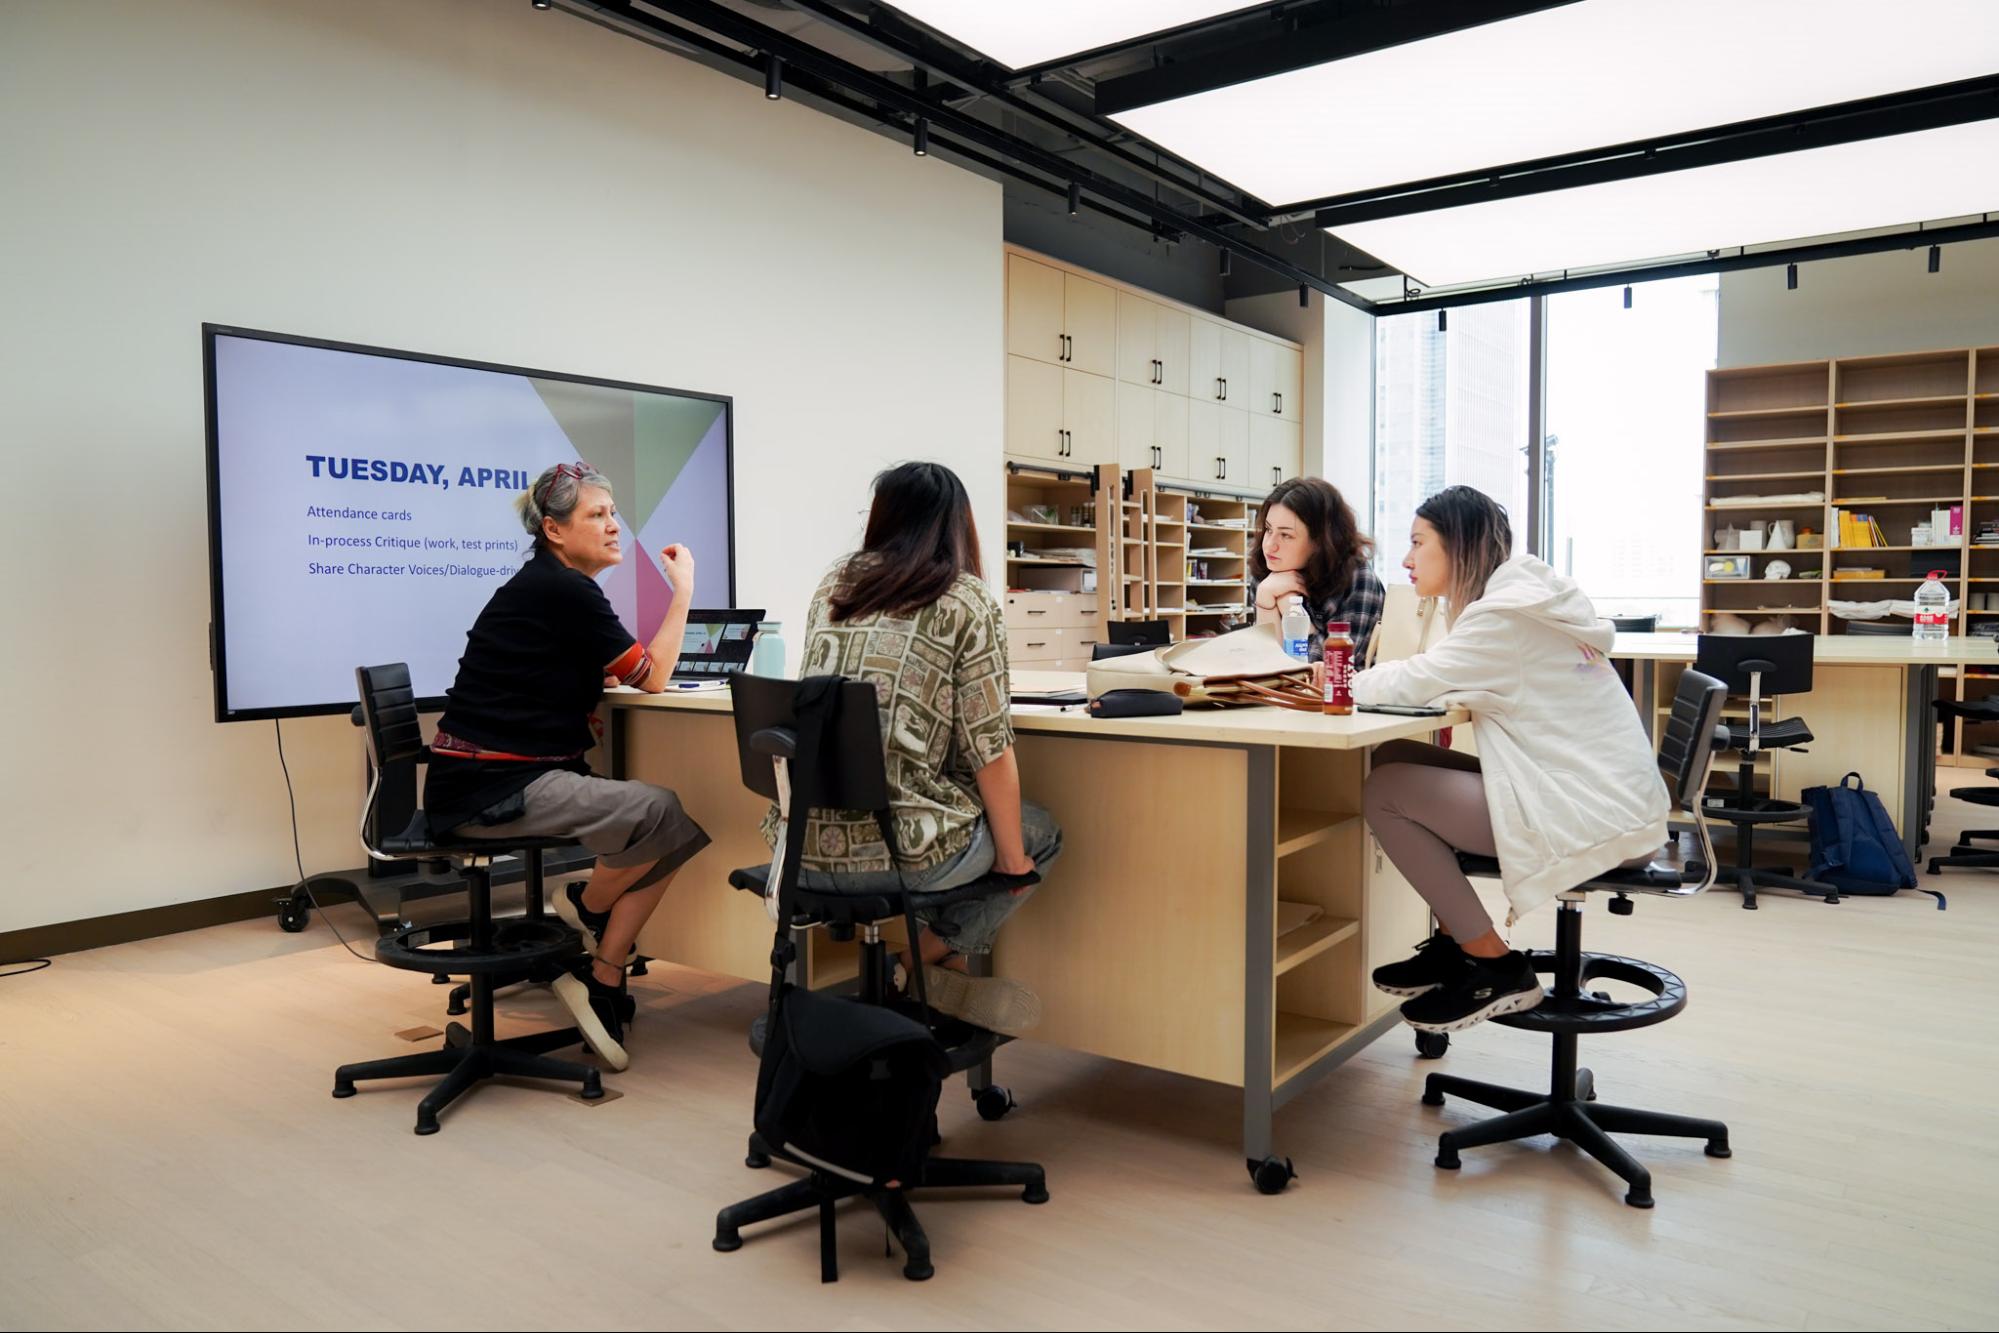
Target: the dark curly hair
(1340, 550)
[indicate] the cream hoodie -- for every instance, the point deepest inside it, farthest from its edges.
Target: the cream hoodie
(1571, 784)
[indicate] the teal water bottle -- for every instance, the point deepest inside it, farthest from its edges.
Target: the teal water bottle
(767, 653)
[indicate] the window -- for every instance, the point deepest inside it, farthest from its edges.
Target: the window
(1626, 414)
(1450, 409)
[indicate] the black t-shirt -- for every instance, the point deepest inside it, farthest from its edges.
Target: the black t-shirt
(530, 679)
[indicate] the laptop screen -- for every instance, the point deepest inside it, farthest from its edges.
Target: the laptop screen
(717, 643)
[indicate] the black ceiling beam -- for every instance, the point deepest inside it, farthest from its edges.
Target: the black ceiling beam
(982, 77)
(1313, 35)
(896, 105)
(1821, 127)
(1919, 238)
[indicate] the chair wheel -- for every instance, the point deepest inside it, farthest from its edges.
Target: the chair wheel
(756, 1161)
(1037, 1193)
(1432, 1045)
(1719, 1148)
(993, 1103)
(344, 1089)
(1637, 1200)
(919, 1272)
(1272, 1175)
(728, 1241)
(456, 1007)
(293, 916)
(1447, 1158)
(426, 1124)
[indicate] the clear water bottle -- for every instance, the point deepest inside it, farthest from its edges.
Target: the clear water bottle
(1932, 610)
(1295, 629)
(767, 653)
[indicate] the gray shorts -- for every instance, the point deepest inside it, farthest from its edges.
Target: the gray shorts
(624, 823)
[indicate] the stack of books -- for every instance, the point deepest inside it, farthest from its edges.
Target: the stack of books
(1858, 530)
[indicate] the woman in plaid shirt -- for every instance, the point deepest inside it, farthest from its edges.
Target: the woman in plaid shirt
(1312, 548)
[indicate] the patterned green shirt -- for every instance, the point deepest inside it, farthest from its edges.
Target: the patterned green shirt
(941, 678)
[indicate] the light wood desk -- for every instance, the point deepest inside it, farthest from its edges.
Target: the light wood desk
(1155, 937)
(1869, 710)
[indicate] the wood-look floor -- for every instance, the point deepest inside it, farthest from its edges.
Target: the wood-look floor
(170, 1158)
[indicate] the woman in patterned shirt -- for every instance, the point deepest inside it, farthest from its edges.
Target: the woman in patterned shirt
(910, 613)
(1311, 548)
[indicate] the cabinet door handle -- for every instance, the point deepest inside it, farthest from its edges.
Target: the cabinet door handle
(1273, 475)
(1225, 469)
(1277, 402)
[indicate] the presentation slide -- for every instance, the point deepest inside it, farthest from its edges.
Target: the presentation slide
(364, 507)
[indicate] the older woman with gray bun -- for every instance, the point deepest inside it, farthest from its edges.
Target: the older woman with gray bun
(519, 719)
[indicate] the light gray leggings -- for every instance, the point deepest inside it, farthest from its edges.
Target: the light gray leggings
(1426, 804)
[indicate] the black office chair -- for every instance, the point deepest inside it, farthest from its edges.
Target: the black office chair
(1568, 1011)
(852, 775)
(1965, 854)
(1141, 633)
(1877, 629)
(1102, 651)
(1635, 624)
(1756, 665)
(478, 948)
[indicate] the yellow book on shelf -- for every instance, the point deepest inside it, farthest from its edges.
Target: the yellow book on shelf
(1874, 528)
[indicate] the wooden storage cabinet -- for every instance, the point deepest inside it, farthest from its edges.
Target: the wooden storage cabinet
(1099, 372)
(1218, 449)
(1059, 316)
(1059, 415)
(1273, 450)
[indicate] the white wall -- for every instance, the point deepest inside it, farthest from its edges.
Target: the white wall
(1869, 303)
(464, 177)
(1338, 424)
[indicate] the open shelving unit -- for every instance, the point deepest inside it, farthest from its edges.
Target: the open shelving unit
(1894, 437)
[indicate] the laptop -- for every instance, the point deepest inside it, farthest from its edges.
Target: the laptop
(716, 645)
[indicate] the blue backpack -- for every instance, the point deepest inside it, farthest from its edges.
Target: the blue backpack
(1854, 844)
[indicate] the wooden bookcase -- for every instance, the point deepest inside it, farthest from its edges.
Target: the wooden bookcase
(1161, 552)
(1894, 437)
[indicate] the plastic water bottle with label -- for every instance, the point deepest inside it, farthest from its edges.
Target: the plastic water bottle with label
(1932, 610)
(1296, 629)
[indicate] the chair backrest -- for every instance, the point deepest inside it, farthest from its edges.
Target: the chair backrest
(388, 715)
(1688, 740)
(1784, 661)
(1144, 633)
(1409, 625)
(1100, 651)
(852, 772)
(1635, 624)
(1882, 629)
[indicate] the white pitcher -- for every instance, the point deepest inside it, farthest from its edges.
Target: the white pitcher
(1783, 535)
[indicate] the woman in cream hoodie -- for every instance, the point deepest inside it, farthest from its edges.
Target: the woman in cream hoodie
(1565, 785)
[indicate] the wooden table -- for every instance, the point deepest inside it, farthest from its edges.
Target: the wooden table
(1869, 711)
(1155, 938)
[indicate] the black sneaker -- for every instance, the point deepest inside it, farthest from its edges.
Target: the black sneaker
(590, 925)
(1488, 988)
(1436, 962)
(599, 1013)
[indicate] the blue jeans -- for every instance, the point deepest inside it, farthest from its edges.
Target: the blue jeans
(969, 926)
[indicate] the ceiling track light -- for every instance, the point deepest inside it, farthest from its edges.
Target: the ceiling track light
(541, 4)
(1304, 297)
(1627, 298)
(1075, 198)
(921, 142)
(1443, 321)
(774, 76)
(1791, 277)
(1936, 259)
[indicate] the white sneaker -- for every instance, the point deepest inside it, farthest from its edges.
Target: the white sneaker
(993, 1003)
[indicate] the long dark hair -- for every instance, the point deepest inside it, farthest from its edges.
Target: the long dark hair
(920, 538)
(1476, 535)
(1340, 551)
